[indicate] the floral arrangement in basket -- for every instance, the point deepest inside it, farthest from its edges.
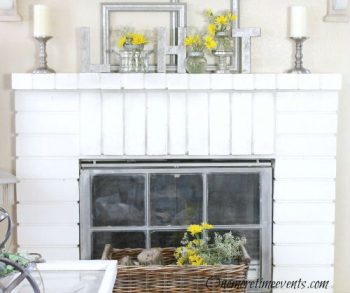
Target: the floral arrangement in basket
(220, 22)
(199, 249)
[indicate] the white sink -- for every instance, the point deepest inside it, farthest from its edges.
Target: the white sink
(86, 276)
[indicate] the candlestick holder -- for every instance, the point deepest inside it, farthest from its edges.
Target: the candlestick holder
(43, 68)
(299, 68)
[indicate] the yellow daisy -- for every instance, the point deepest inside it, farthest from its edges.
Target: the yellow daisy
(221, 19)
(212, 29)
(195, 229)
(121, 41)
(207, 226)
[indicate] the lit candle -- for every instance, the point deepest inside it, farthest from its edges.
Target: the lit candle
(42, 24)
(298, 19)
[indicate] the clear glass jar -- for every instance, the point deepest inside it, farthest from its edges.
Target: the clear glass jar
(196, 62)
(132, 59)
(224, 42)
(223, 51)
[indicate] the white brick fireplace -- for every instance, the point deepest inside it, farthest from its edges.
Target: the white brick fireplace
(62, 118)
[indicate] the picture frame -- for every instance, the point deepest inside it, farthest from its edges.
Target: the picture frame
(337, 11)
(178, 13)
(8, 10)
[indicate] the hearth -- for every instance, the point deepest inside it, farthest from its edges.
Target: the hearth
(149, 204)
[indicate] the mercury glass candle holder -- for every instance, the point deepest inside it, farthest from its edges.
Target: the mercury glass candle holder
(299, 68)
(43, 68)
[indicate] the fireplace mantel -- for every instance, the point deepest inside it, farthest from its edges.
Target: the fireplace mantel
(292, 119)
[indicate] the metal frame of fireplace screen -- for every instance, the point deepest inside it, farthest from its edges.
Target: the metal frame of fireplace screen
(150, 204)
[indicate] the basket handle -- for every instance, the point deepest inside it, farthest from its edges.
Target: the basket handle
(245, 258)
(106, 250)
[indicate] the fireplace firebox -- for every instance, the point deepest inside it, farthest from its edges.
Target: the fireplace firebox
(150, 203)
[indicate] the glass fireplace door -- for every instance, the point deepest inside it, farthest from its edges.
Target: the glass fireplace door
(150, 205)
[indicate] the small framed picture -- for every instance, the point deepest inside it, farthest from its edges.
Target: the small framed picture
(8, 10)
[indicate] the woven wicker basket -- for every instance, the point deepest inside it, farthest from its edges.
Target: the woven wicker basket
(175, 279)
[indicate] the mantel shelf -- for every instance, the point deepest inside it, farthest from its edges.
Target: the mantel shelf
(169, 81)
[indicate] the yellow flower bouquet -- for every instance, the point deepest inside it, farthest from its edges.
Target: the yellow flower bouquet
(132, 39)
(198, 249)
(198, 43)
(220, 22)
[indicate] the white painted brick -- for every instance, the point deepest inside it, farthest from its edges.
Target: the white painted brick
(287, 81)
(243, 81)
(300, 212)
(48, 235)
(89, 81)
(90, 124)
(301, 189)
(44, 81)
(53, 190)
(157, 124)
(38, 213)
(113, 124)
(135, 124)
(306, 145)
(305, 168)
(155, 81)
(47, 145)
(133, 81)
(47, 101)
(199, 81)
(66, 81)
(219, 124)
(322, 254)
(198, 132)
(307, 123)
(110, 81)
(241, 124)
(331, 81)
(22, 81)
(263, 123)
(177, 81)
(47, 122)
(265, 81)
(39, 168)
(221, 81)
(307, 101)
(54, 253)
(306, 273)
(309, 81)
(303, 233)
(177, 123)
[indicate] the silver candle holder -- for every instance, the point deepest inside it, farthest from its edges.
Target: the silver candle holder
(299, 68)
(43, 68)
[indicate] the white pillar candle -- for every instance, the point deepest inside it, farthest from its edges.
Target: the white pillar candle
(298, 21)
(42, 23)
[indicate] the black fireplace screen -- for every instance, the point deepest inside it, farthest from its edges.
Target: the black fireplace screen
(133, 205)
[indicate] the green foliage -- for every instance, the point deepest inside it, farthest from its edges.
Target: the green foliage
(20, 259)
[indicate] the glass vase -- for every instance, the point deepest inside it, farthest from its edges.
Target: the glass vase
(132, 59)
(196, 62)
(223, 51)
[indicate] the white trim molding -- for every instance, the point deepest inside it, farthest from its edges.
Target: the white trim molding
(338, 11)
